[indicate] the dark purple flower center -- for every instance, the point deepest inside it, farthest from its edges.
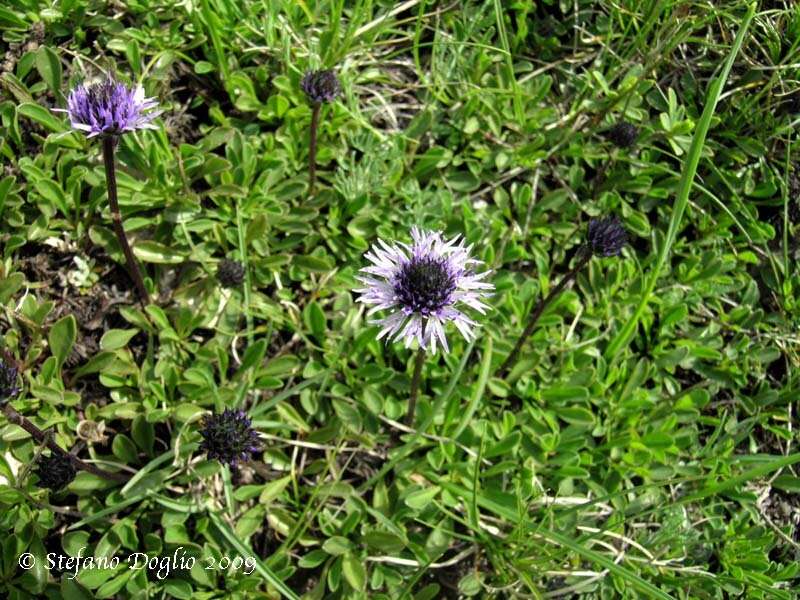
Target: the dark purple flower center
(101, 93)
(424, 285)
(8, 381)
(606, 236)
(55, 471)
(228, 437)
(321, 86)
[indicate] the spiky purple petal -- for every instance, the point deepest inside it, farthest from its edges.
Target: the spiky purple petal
(424, 286)
(109, 108)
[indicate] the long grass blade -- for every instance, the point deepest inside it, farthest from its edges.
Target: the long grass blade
(246, 552)
(625, 334)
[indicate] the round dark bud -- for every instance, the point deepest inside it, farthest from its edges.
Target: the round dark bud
(424, 285)
(792, 103)
(55, 471)
(8, 381)
(228, 437)
(623, 134)
(606, 236)
(230, 273)
(321, 86)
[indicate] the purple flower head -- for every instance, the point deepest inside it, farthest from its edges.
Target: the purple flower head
(109, 108)
(623, 134)
(55, 471)
(607, 236)
(228, 437)
(423, 286)
(230, 273)
(321, 86)
(8, 381)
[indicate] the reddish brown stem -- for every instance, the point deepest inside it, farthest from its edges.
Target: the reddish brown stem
(415, 379)
(538, 309)
(312, 147)
(41, 437)
(116, 218)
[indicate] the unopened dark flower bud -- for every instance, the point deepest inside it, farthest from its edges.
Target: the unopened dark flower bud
(228, 437)
(793, 103)
(606, 236)
(8, 381)
(230, 273)
(55, 471)
(623, 134)
(321, 86)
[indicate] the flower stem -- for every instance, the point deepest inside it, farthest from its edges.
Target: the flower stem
(43, 438)
(412, 401)
(585, 255)
(312, 147)
(111, 182)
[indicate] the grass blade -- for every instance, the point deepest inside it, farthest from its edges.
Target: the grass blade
(477, 394)
(624, 336)
(244, 551)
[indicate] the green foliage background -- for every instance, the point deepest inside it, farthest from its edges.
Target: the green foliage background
(662, 469)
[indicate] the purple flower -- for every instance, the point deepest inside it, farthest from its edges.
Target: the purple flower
(623, 134)
(109, 108)
(230, 273)
(8, 381)
(423, 286)
(228, 437)
(55, 471)
(606, 236)
(321, 86)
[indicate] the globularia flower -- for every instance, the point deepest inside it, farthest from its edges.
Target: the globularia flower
(55, 471)
(321, 86)
(606, 236)
(424, 286)
(8, 381)
(109, 108)
(228, 437)
(230, 273)
(623, 134)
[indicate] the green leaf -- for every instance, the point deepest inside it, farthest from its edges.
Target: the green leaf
(178, 588)
(49, 67)
(73, 541)
(72, 590)
(10, 286)
(153, 252)
(96, 364)
(354, 572)
(314, 319)
(788, 483)
(62, 337)
(114, 339)
(564, 394)
(53, 193)
(575, 415)
(10, 20)
(384, 542)
(253, 355)
(419, 499)
(41, 115)
(337, 545)
(313, 264)
(124, 449)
